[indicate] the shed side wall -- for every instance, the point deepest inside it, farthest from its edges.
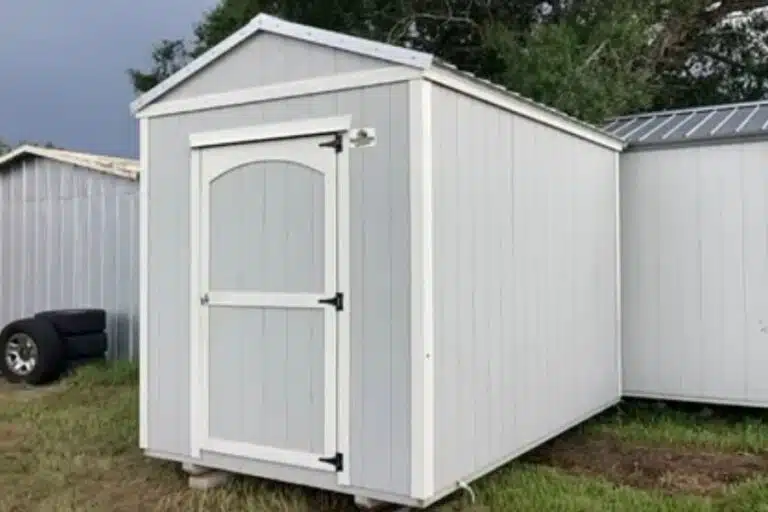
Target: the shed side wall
(267, 59)
(525, 284)
(379, 456)
(69, 239)
(695, 289)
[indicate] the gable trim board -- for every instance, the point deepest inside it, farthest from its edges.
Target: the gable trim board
(407, 65)
(331, 83)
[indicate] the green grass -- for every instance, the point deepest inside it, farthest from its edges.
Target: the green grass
(73, 447)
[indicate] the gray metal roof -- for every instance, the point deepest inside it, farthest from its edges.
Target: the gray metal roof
(693, 125)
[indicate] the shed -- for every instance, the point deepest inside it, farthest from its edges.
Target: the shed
(69, 238)
(369, 272)
(694, 194)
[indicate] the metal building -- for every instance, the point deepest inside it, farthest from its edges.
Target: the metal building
(369, 272)
(69, 238)
(694, 192)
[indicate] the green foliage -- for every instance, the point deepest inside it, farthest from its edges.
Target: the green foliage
(590, 58)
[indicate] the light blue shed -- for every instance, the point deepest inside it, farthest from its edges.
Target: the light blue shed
(365, 271)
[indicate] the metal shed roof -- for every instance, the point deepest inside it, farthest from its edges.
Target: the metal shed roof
(121, 167)
(693, 125)
(433, 69)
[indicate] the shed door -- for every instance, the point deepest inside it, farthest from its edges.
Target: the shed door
(268, 324)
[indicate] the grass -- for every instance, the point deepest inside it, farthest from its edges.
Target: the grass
(72, 447)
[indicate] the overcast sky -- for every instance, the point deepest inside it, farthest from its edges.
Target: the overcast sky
(63, 67)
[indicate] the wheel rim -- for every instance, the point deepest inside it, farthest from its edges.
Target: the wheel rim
(21, 354)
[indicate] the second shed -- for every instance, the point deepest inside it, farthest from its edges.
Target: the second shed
(694, 193)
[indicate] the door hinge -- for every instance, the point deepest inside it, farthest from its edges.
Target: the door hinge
(204, 300)
(337, 143)
(336, 461)
(336, 301)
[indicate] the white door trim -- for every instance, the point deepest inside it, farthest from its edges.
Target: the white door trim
(304, 127)
(337, 368)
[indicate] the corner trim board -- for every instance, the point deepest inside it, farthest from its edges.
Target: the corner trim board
(324, 84)
(257, 133)
(143, 283)
(422, 305)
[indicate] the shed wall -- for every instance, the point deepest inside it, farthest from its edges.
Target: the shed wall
(69, 239)
(379, 456)
(695, 292)
(525, 291)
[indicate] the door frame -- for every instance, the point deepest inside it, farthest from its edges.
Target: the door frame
(198, 369)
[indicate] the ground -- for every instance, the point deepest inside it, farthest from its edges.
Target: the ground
(73, 446)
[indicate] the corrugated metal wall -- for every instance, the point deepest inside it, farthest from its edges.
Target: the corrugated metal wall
(379, 457)
(526, 338)
(695, 291)
(69, 239)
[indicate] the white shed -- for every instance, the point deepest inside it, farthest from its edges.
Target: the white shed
(694, 191)
(366, 271)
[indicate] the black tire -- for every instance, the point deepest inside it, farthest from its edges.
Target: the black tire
(74, 322)
(50, 350)
(86, 346)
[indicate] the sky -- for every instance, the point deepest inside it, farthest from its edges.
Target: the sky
(63, 67)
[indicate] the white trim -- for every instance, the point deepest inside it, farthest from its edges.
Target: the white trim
(619, 309)
(422, 313)
(343, 357)
(271, 24)
(267, 453)
(143, 285)
(324, 84)
(196, 387)
(487, 92)
(262, 132)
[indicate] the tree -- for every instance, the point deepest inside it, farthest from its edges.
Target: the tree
(590, 58)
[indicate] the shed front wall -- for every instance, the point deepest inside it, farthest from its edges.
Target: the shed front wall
(525, 286)
(695, 291)
(379, 457)
(69, 239)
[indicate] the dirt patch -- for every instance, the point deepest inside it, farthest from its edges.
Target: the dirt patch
(670, 469)
(22, 392)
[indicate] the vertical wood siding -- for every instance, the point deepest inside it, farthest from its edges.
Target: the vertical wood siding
(380, 295)
(525, 284)
(69, 239)
(695, 291)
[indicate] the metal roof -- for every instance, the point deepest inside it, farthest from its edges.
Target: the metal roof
(122, 167)
(692, 125)
(373, 49)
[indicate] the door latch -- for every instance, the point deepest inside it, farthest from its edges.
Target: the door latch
(336, 301)
(204, 300)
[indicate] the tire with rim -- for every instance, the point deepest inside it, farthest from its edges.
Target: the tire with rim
(74, 322)
(31, 351)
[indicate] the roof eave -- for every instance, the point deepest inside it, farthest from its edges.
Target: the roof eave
(29, 149)
(516, 102)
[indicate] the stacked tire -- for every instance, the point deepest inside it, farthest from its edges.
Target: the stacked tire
(38, 349)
